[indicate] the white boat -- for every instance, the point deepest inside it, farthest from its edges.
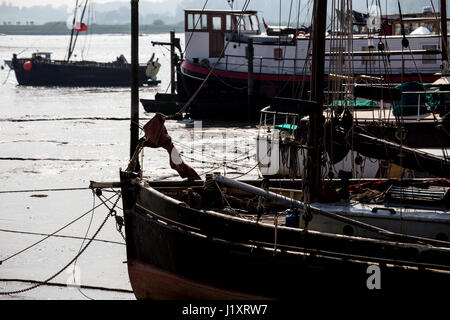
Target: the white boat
(217, 45)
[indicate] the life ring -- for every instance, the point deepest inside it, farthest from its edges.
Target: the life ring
(300, 32)
(28, 65)
(403, 135)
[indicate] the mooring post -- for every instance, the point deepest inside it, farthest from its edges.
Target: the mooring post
(251, 82)
(172, 61)
(444, 37)
(134, 125)
(313, 165)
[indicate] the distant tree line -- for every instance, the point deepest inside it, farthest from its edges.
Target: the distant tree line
(60, 28)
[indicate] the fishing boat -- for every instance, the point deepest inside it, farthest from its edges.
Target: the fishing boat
(41, 70)
(216, 57)
(221, 238)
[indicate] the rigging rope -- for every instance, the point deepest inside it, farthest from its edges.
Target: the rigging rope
(63, 268)
(57, 236)
(52, 234)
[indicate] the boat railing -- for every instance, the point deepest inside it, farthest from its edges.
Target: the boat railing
(89, 63)
(270, 119)
(383, 112)
(296, 66)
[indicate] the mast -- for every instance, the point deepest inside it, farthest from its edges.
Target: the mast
(313, 164)
(76, 36)
(72, 45)
(444, 39)
(172, 61)
(134, 125)
(69, 53)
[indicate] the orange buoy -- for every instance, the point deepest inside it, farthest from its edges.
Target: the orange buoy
(27, 65)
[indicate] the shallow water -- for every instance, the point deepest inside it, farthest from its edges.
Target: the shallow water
(65, 137)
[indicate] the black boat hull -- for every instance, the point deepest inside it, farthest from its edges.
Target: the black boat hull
(75, 74)
(176, 252)
(225, 94)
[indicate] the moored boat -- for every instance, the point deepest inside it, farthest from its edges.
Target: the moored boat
(216, 59)
(41, 70)
(223, 239)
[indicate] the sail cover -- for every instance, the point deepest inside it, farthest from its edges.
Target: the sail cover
(157, 136)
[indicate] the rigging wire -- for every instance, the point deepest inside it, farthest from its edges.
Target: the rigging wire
(76, 36)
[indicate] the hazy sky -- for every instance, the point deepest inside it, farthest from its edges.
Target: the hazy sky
(57, 3)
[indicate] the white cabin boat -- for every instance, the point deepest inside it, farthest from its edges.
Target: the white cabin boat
(217, 43)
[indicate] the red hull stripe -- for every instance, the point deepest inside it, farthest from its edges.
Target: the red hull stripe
(273, 77)
(150, 282)
(242, 75)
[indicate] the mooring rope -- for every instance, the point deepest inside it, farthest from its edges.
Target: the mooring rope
(58, 236)
(56, 284)
(63, 268)
(52, 234)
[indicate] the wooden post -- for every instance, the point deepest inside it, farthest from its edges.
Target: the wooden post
(444, 40)
(251, 82)
(172, 61)
(313, 162)
(134, 125)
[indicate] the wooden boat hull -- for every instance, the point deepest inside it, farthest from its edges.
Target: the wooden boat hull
(177, 252)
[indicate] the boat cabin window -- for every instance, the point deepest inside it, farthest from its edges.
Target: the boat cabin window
(221, 21)
(228, 22)
(255, 23)
(42, 55)
(196, 21)
(247, 22)
(432, 26)
(217, 23)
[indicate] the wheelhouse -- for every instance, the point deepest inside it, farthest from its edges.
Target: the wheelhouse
(210, 27)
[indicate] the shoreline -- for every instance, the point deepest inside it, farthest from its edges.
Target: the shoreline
(60, 28)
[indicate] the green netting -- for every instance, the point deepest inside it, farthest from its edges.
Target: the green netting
(415, 103)
(356, 104)
(286, 126)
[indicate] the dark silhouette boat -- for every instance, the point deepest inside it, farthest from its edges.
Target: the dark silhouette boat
(222, 239)
(41, 70)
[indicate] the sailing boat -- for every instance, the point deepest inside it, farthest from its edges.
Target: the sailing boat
(41, 70)
(224, 239)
